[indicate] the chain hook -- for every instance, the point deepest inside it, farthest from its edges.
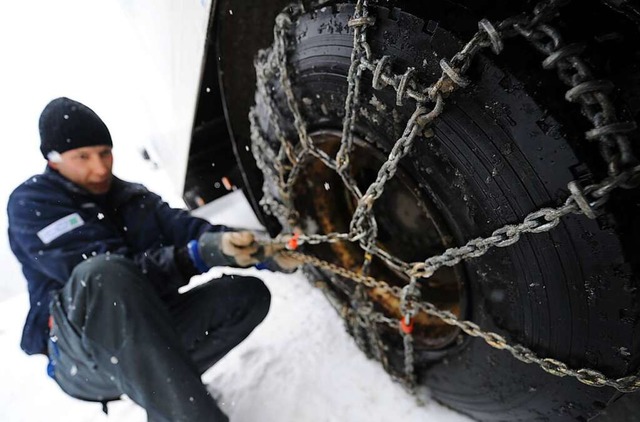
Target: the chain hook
(409, 297)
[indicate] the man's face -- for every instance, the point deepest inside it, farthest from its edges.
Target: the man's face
(88, 167)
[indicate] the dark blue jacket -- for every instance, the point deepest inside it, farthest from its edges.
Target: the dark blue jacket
(49, 240)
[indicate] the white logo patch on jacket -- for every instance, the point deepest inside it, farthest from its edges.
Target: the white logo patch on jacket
(60, 227)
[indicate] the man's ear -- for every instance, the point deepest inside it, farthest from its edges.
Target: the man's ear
(54, 159)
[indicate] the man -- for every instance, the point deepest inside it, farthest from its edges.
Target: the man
(104, 258)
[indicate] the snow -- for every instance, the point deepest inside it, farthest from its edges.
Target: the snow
(298, 365)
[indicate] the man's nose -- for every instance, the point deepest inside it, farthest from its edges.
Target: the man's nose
(99, 166)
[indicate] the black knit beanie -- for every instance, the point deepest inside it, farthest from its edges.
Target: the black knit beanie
(66, 124)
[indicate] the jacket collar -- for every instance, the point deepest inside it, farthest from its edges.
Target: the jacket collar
(66, 183)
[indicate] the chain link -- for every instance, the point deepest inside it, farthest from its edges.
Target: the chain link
(590, 93)
(554, 367)
(588, 201)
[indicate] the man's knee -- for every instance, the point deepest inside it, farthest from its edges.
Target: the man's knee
(105, 273)
(257, 286)
(260, 294)
(102, 264)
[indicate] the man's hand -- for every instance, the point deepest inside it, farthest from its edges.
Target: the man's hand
(286, 262)
(235, 249)
(240, 249)
(278, 256)
(241, 246)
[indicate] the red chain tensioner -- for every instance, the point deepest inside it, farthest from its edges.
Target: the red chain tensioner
(410, 294)
(293, 243)
(406, 324)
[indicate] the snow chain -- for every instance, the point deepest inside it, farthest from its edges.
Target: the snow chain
(584, 89)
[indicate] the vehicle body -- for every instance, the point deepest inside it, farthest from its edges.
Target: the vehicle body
(506, 147)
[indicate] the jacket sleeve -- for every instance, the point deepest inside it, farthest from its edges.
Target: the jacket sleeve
(53, 237)
(179, 225)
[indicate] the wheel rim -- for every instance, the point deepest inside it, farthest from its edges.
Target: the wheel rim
(410, 228)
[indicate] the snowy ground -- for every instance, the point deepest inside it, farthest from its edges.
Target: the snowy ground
(299, 365)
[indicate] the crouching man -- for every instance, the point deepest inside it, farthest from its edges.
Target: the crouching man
(104, 259)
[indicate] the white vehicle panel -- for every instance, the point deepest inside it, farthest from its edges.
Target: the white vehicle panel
(173, 35)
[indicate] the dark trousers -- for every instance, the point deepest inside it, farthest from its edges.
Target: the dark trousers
(113, 334)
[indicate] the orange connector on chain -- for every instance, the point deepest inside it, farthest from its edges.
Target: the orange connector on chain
(406, 328)
(292, 244)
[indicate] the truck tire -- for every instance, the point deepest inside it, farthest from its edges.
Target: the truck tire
(499, 152)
